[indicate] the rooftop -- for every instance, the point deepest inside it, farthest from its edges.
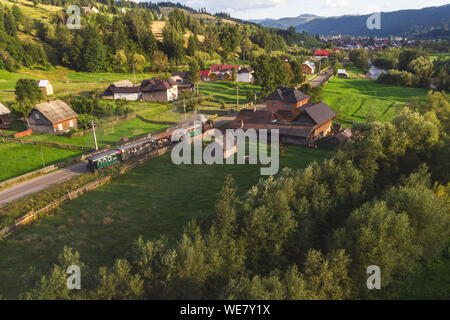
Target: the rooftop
(56, 111)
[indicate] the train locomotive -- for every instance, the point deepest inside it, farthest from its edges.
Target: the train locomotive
(130, 150)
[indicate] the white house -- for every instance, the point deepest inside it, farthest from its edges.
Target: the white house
(245, 75)
(46, 87)
(123, 90)
(342, 74)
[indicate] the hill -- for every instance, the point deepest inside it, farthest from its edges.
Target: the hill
(285, 23)
(408, 23)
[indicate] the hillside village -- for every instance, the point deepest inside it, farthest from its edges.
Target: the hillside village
(86, 124)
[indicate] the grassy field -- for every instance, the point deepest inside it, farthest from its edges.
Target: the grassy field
(17, 159)
(226, 90)
(65, 81)
(435, 56)
(106, 135)
(356, 99)
(40, 12)
(153, 199)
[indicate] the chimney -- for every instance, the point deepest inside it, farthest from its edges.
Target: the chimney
(242, 123)
(254, 108)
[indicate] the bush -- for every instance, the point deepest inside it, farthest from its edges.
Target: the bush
(403, 78)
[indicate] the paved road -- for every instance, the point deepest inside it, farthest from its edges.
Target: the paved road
(321, 78)
(40, 183)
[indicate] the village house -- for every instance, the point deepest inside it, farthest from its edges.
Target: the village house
(159, 90)
(342, 74)
(289, 111)
(88, 10)
(321, 54)
(309, 67)
(52, 117)
(286, 102)
(181, 80)
(245, 75)
(204, 75)
(222, 72)
(123, 90)
(5, 118)
(46, 87)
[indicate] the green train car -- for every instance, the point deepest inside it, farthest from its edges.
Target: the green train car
(102, 160)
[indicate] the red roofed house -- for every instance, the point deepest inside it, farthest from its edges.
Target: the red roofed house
(222, 71)
(322, 53)
(204, 74)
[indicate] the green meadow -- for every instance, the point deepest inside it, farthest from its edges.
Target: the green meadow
(17, 159)
(157, 198)
(226, 91)
(357, 99)
(65, 81)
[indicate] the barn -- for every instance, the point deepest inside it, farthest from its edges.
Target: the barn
(5, 118)
(52, 117)
(46, 87)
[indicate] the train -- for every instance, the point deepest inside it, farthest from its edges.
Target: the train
(127, 151)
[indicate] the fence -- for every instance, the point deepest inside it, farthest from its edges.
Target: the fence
(48, 169)
(46, 144)
(23, 133)
(29, 217)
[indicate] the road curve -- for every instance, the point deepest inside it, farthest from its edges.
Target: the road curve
(41, 183)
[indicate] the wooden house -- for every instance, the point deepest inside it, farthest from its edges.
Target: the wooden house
(46, 87)
(52, 117)
(5, 118)
(159, 90)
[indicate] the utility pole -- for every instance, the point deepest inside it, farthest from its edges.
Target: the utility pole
(95, 137)
(184, 107)
(237, 97)
(134, 73)
(42, 156)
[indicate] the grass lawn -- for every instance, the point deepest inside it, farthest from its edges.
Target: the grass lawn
(153, 199)
(65, 81)
(353, 71)
(356, 99)
(435, 56)
(226, 90)
(105, 135)
(17, 159)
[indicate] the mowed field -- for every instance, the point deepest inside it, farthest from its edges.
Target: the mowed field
(226, 90)
(17, 159)
(65, 81)
(157, 198)
(357, 99)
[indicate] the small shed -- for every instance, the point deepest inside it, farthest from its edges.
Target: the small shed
(5, 118)
(52, 117)
(46, 87)
(342, 73)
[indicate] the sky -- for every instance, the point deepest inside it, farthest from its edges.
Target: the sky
(260, 9)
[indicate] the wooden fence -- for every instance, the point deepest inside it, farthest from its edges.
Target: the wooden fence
(46, 144)
(29, 217)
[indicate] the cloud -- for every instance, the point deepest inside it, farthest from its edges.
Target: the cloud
(337, 3)
(234, 5)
